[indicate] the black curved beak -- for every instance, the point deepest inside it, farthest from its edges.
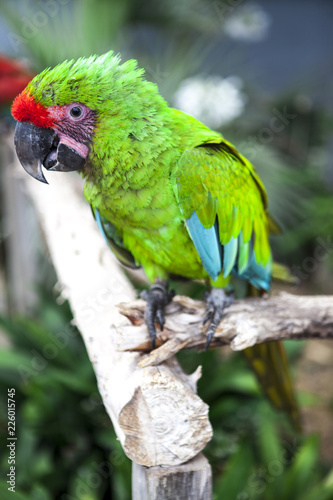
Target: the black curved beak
(40, 147)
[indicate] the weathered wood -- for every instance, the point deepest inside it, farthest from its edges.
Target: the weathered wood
(189, 481)
(246, 322)
(156, 413)
(19, 230)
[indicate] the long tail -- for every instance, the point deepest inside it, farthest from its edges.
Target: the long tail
(269, 363)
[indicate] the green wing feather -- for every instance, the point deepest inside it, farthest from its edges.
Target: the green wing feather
(214, 180)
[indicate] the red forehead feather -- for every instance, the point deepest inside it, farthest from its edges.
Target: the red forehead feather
(26, 109)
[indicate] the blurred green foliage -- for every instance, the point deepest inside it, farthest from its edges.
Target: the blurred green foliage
(66, 447)
(65, 441)
(254, 453)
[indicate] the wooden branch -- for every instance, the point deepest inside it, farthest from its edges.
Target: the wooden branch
(156, 413)
(159, 483)
(246, 322)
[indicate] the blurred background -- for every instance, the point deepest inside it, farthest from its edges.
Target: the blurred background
(259, 72)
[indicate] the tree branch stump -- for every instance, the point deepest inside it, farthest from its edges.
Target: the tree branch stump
(245, 323)
(192, 480)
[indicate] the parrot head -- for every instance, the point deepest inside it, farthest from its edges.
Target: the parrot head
(56, 138)
(62, 109)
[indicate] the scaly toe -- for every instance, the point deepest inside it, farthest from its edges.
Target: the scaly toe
(157, 297)
(217, 300)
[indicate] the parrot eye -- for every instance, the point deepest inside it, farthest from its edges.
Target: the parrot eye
(76, 111)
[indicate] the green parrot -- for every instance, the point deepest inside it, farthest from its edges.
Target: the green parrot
(168, 194)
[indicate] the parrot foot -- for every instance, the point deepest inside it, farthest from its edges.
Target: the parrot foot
(216, 302)
(157, 297)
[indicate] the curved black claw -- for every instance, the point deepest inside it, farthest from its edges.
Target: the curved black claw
(217, 300)
(157, 297)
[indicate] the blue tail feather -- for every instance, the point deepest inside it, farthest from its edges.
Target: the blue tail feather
(212, 254)
(207, 244)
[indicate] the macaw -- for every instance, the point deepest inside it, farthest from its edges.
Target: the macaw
(168, 194)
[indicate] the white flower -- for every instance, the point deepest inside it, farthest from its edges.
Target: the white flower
(249, 22)
(212, 100)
